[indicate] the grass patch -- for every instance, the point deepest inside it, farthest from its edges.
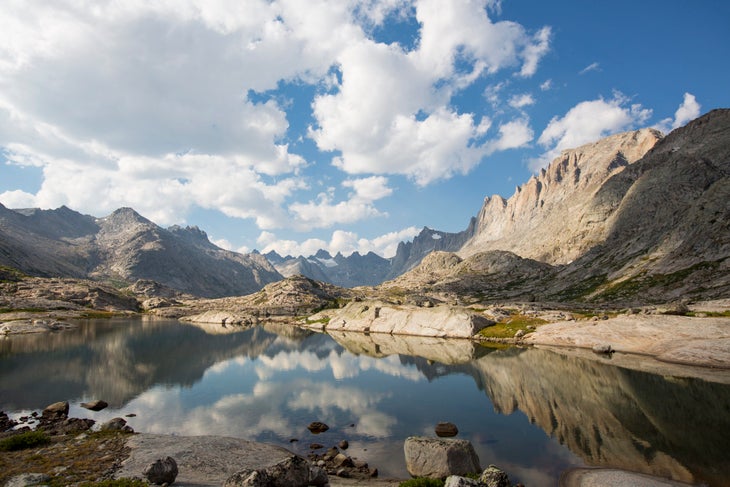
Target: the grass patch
(116, 483)
(10, 274)
(509, 326)
(422, 482)
(22, 441)
(22, 310)
(582, 289)
(324, 320)
(95, 315)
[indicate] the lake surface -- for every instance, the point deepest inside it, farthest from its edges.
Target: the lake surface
(532, 412)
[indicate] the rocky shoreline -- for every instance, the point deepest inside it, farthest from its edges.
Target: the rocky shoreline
(74, 451)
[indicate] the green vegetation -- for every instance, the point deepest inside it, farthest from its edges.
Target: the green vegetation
(324, 320)
(22, 310)
(93, 315)
(422, 482)
(116, 483)
(10, 274)
(582, 289)
(508, 327)
(21, 441)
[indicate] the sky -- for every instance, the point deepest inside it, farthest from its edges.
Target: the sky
(344, 125)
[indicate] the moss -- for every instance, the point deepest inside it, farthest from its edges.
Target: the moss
(124, 482)
(422, 482)
(508, 327)
(324, 320)
(92, 315)
(22, 441)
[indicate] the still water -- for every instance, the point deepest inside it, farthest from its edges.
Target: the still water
(533, 412)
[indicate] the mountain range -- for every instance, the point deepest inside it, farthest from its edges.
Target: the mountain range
(633, 216)
(124, 247)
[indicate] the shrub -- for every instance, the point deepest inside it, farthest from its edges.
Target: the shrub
(21, 441)
(422, 482)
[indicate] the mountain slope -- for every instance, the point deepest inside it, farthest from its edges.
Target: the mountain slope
(125, 246)
(554, 217)
(669, 236)
(604, 224)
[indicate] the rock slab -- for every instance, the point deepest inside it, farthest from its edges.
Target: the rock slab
(440, 457)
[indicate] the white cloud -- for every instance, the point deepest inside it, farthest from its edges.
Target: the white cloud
(546, 85)
(340, 241)
(171, 105)
(687, 111)
(324, 212)
(391, 115)
(586, 122)
(591, 67)
(521, 101)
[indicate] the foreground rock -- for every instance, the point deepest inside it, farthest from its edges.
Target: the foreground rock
(205, 460)
(161, 471)
(400, 319)
(438, 457)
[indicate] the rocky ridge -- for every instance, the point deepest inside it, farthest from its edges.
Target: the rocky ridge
(124, 247)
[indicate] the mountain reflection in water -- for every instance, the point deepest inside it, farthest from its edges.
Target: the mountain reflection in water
(533, 412)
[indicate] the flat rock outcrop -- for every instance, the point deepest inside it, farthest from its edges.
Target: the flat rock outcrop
(399, 319)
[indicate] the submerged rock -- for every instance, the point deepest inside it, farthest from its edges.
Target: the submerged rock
(446, 430)
(317, 427)
(95, 405)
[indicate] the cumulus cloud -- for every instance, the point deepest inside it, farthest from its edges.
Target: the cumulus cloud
(521, 101)
(170, 106)
(390, 114)
(688, 110)
(324, 212)
(341, 241)
(586, 122)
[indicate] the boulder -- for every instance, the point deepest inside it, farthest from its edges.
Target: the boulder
(440, 457)
(602, 348)
(291, 472)
(343, 445)
(317, 427)
(494, 477)
(56, 411)
(446, 430)
(161, 471)
(115, 424)
(95, 405)
(318, 476)
(456, 481)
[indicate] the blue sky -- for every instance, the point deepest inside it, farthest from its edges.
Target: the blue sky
(346, 125)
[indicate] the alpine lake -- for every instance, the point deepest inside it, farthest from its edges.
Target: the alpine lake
(533, 412)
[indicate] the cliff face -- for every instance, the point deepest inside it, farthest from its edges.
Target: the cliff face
(125, 246)
(555, 217)
(632, 218)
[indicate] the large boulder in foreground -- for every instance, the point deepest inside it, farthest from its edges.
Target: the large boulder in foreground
(397, 319)
(440, 457)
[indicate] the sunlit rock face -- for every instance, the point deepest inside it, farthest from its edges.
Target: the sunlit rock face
(557, 207)
(616, 417)
(383, 317)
